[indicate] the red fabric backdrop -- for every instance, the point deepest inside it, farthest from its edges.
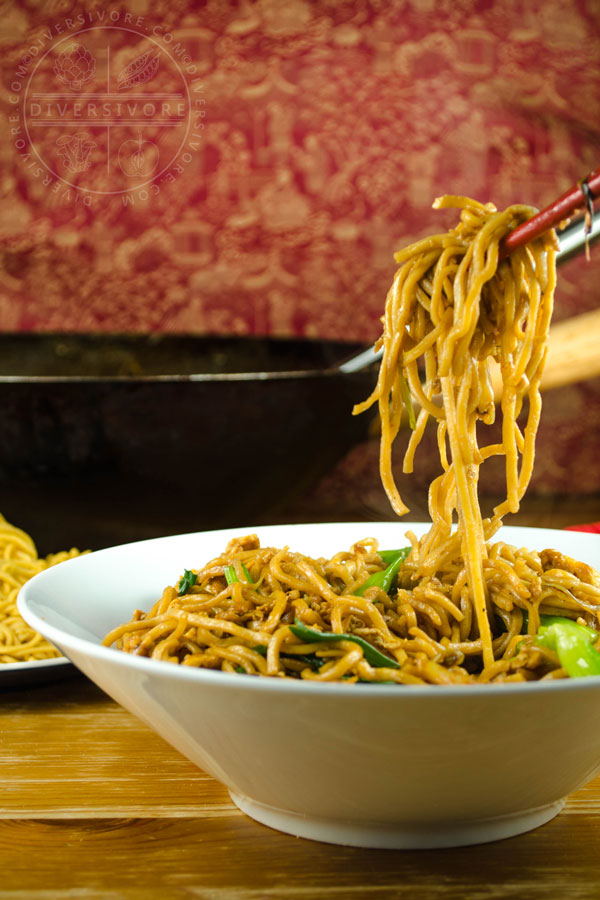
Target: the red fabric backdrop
(250, 167)
(327, 128)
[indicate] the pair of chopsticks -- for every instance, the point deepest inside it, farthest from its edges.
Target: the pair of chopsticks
(581, 195)
(572, 344)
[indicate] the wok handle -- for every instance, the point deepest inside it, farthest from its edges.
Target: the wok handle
(572, 353)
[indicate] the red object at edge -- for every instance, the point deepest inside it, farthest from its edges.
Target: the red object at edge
(594, 527)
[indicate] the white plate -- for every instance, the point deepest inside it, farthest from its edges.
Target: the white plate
(37, 672)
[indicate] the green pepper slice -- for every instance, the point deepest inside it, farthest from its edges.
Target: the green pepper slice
(573, 644)
(373, 656)
(385, 577)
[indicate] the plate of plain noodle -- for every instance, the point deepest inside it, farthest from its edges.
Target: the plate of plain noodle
(457, 607)
(25, 656)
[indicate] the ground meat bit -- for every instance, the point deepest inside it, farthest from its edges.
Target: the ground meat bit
(553, 559)
(249, 542)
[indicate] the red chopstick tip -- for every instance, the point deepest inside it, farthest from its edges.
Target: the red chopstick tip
(552, 216)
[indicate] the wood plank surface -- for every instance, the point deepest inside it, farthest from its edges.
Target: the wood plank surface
(116, 765)
(95, 805)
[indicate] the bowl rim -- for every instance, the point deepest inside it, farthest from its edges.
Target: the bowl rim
(66, 641)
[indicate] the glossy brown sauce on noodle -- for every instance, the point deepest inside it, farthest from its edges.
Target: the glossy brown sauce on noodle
(463, 609)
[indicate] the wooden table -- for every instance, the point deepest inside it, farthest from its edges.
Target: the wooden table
(95, 805)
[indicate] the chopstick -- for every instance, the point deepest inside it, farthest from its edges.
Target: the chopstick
(580, 195)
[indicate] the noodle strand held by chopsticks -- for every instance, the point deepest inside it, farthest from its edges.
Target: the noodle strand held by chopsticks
(479, 311)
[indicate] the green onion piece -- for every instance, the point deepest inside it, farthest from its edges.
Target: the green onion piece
(231, 575)
(373, 656)
(384, 579)
(407, 400)
(573, 644)
(312, 662)
(187, 581)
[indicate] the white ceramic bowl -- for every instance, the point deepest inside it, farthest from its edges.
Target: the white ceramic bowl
(364, 765)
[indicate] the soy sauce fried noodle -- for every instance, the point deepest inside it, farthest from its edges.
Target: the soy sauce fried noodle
(460, 608)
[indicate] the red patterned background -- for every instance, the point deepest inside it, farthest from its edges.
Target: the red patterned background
(301, 144)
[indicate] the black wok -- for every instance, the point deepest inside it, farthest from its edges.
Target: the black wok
(106, 439)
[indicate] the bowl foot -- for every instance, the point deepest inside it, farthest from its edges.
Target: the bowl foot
(399, 837)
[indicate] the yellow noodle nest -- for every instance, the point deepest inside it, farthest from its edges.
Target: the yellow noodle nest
(19, 561)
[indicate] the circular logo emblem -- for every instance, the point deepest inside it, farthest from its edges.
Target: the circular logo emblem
(107, 110)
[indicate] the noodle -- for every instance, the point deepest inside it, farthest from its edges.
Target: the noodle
(19, 562)
(479, 310)
(463, 609)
